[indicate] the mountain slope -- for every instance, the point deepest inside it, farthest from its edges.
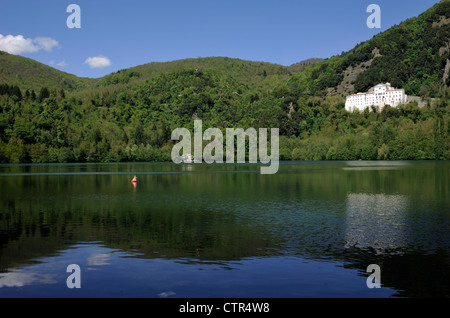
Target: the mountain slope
(30, 74)
(129, 115)
(414, 55)
(254, 74)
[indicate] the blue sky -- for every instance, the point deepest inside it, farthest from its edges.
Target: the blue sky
(122, 34)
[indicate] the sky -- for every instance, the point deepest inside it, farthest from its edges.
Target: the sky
(114, 35)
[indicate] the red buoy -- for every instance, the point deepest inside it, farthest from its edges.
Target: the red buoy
(134, 179)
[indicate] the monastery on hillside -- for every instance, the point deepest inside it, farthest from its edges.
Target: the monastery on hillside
(379, 95)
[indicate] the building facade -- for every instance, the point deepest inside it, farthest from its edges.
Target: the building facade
(380, 95)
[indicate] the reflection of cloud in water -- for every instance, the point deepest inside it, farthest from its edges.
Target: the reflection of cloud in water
(20, 279)
(98, 259)
(166, 294)
(376, 220)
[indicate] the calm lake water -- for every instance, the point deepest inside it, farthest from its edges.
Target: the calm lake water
(199, 230)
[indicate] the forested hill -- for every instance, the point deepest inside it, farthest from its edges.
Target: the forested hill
(413, 55)
(51, 116)
(28, 74)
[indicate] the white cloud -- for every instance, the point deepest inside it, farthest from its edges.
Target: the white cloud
(46, 43)
(62, 63)
(17, 44)
(98, 61)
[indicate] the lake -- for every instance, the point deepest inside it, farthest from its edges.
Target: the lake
(199, 230)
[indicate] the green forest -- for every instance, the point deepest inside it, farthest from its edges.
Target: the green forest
(50, 116)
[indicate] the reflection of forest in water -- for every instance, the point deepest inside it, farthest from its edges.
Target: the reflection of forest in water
(390, 214)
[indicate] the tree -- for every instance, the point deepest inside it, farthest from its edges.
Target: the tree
(383, 152)
(44, 93)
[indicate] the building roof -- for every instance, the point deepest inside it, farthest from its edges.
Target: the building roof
(371, 92)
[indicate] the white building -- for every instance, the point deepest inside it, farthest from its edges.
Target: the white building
(380, 95)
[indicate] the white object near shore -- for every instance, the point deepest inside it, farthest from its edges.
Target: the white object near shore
(379, 95)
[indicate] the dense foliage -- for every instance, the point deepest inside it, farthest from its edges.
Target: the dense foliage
(28, 74)
(413, 55)
(136, 124)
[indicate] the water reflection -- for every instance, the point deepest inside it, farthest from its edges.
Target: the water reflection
(98, 259)
(18, 278)
(376, 220)
(186, 226)
(375, 164)
(126, 276)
